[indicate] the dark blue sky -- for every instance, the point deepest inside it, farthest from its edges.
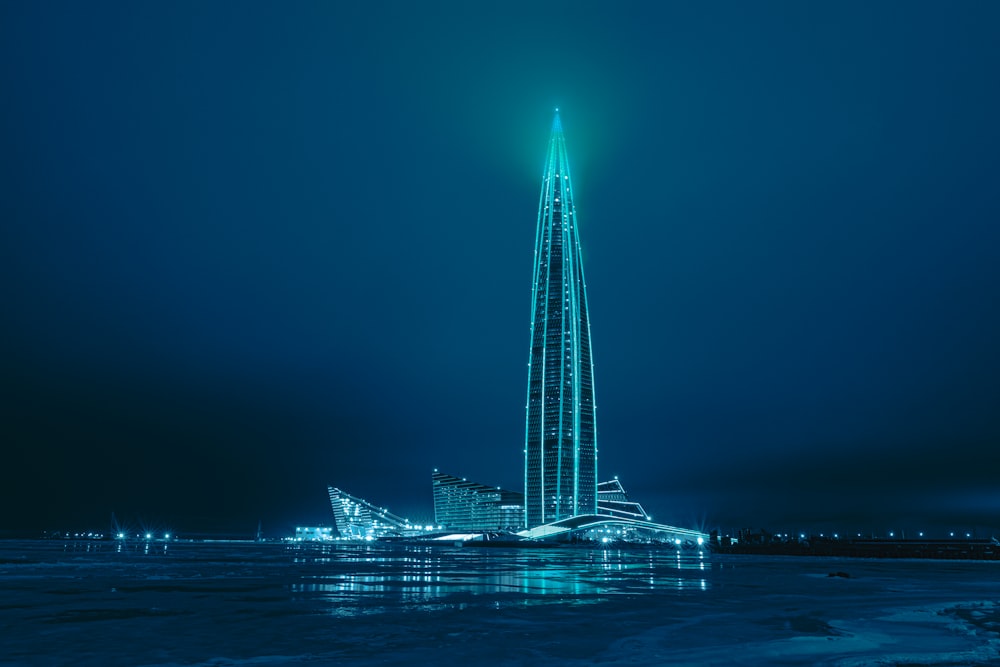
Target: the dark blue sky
(249, 249)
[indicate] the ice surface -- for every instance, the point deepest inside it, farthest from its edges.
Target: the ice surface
(275, 604)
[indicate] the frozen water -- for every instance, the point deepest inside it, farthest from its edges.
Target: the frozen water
(278, 604)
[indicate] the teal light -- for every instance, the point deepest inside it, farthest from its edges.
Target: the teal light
(560, 433)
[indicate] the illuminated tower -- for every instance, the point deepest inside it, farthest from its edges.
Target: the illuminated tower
(560, 453)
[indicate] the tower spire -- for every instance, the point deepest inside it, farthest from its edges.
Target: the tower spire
(560, 471)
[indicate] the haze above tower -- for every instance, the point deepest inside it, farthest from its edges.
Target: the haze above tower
(560, 471)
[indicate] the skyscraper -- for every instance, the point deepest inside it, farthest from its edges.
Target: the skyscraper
(560, 453)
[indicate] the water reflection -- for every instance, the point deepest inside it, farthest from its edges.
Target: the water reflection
(374, 575)
(118, 546)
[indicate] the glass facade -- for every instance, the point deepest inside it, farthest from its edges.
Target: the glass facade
(560, 435)
(463, 505)
(613, 501)
(358, 519)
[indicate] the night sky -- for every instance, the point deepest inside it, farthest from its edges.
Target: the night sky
(251, 249)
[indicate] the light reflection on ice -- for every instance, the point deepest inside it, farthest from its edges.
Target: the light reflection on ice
(386, 604)
(422, 575)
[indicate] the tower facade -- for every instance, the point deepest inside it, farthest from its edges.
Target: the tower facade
(560, 465)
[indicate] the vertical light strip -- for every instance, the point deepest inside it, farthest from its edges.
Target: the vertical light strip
(564, 318)
(584, 321)
(572, 238)
(551, 173)
(539, 236)
(547, 222)
(572, 277)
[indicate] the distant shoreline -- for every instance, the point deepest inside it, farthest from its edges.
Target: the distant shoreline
(947, 549)
(968, 549)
